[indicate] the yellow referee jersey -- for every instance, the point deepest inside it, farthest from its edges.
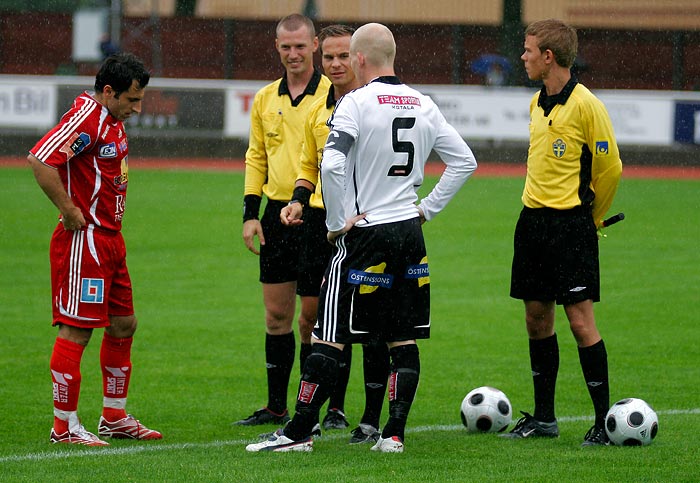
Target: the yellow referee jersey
(315, 135)
(276, 136)
(573, 158)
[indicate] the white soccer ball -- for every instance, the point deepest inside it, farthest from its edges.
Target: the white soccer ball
(631, 422)
(486, 410)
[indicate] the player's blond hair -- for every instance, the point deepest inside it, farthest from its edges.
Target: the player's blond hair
(295, 21)
(556, 36)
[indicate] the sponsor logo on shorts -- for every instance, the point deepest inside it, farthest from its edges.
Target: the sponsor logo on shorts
(371, 278)
(92, 291)
(420, 272)
(108, 150)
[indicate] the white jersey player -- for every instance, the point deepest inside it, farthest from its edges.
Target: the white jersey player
(378, 281)
(374, 160)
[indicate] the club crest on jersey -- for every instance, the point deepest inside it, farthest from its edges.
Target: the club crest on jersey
(601, 148)
(92, 290)
(122, 145)
(371, 278)
(558, 148)
(108, 150)
(123, 179)
(75, 144)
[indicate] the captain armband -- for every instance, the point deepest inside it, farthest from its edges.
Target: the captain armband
(340, 141)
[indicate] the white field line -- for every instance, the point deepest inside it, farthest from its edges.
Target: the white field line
(149, 448)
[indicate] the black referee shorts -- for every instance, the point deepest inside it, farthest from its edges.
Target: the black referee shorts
(377, 285)
(555, 256)
(279, 256)
(314, 252)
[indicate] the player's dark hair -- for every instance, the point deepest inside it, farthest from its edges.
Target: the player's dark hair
(336, 30)
(294, 22)
(119, 71)
(556, 36)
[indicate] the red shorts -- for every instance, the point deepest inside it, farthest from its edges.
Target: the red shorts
(89, 277)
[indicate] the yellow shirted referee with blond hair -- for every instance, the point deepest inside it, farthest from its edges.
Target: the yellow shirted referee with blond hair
(272, 166)
(573, 169)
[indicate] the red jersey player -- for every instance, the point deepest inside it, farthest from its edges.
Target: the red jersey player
(82, 164)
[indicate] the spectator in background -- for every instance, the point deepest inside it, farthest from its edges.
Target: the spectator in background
(107, 47)
(495, 76)
(493, 68)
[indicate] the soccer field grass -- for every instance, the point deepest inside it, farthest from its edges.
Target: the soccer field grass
(198, 353)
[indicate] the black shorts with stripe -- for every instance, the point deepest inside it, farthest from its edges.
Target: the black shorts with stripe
(555, 256)
(377, 285)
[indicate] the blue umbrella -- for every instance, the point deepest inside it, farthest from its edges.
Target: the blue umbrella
(483, 64)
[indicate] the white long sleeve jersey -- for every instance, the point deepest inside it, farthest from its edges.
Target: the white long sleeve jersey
(374, 159)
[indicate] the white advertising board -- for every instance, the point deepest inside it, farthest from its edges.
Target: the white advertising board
(640, 118)
(89, 25)
(502, 114)
(27, 104)
(478, 113)
(483, 113)
(239, 100)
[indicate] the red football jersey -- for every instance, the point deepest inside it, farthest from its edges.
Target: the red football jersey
(89, 149)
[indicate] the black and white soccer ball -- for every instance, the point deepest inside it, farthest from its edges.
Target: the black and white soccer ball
(486, 410)
(631, 422)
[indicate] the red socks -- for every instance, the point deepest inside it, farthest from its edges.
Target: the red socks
(115, 359)
(65, 375)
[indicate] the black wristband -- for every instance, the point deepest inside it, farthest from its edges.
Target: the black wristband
(251, 207)
(302, 195)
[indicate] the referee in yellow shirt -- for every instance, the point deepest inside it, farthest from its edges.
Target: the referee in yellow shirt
(272, 165)
(573, 169)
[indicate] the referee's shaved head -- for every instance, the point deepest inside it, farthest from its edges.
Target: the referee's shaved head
(376, 42)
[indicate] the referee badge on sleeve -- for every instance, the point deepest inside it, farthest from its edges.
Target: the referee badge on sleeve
(601, 148)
